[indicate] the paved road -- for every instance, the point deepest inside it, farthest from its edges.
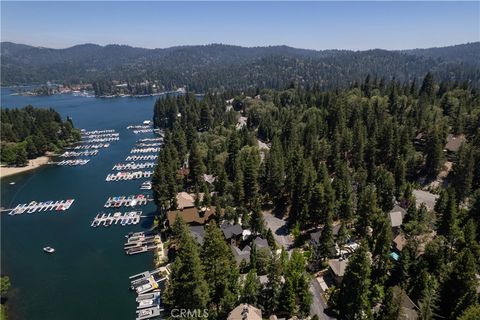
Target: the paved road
(318, 303)
(279, 229)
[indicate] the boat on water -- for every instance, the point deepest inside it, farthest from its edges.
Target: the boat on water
(11, 183)
(49, 250)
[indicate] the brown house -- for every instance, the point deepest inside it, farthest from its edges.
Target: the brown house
(188, 212)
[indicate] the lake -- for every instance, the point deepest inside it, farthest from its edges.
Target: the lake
(87, 277)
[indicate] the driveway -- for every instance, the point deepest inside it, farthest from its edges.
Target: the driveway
(279, 229)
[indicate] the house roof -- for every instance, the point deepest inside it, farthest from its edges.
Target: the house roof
(396, 216)
(245, 312)
(261, 243)
(454, 142)
(191, 215)
(240, 255)
(230, 230)
(198, 233)
(185, 200)
(408, 308)
(338, 266)
(315, 236)
(400, 242)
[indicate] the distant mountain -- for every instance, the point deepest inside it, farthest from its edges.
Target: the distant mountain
(226, 66)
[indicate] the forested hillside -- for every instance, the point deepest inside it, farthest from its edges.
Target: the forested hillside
(222, 66)
(30, 132)
(336, 160)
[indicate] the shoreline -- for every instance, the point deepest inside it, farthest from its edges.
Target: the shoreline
(32, 165)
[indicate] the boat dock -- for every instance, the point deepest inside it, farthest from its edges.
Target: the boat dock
(88, 153)
(145, 150)
(127, 201)
(148, 313)
(140, 243)
(127, 175)
(132, 217)
(146, 282)
(149, 140)
(72, 163)
(141, 158)
(133, 166)
(32, 207)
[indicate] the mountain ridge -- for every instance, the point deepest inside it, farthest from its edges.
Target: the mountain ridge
(209, 66)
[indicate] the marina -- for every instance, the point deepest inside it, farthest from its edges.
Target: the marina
(127, 201)
(126, 175)
(106, 220)
(96, 252)
(32, 207)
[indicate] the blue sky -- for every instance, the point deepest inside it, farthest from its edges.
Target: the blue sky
(313, 25)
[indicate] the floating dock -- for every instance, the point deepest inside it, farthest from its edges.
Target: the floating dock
(32, 207)
(141, 157)
(127, 218)
(133, 166)
(140, 243)
(127, 201)
(72, 163)
(146, 150)
(127, 175)
(69, 154)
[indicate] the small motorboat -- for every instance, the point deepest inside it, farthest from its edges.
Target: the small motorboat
(49, 250)
(11, 183)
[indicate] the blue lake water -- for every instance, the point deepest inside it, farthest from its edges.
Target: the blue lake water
(87, 277)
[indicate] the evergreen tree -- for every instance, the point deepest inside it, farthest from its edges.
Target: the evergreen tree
(221, 273)
(353, 300)
(251, 288)
(186, 287)
(458, 291)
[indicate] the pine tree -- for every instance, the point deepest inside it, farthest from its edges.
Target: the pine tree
(428, 302)
(221, 272)
(251, 288)
(196, 165)
(428, 86)
(288, 301)
(275, 170)
(390, 309)
(326, 245)
(458, 292)
(433, 153)
(354, 292)
(271, 297)
(186, 287)
(367, 210)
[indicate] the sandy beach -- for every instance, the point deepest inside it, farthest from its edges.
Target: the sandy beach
(32, 164)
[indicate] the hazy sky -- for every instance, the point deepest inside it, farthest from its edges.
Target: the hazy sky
(313, 25)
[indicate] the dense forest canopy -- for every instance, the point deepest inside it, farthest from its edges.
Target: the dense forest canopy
(30, 132)
(216, 66)
(340, 158)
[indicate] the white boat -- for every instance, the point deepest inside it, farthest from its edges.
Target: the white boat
(49, 250)
(12, 183)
